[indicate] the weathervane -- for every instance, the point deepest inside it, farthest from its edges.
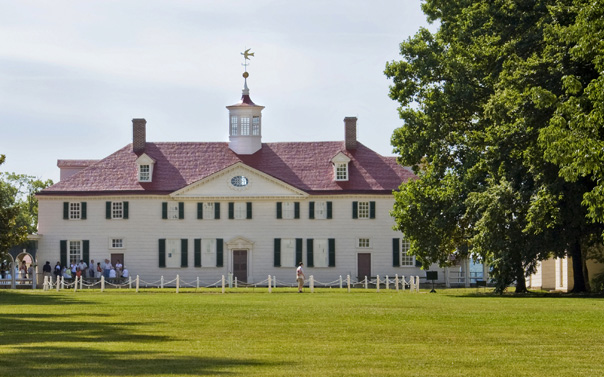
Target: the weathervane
(246, 56)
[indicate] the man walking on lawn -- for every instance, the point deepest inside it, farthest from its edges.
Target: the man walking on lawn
(300, 277)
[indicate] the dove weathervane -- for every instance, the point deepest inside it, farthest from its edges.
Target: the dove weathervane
(246, 56)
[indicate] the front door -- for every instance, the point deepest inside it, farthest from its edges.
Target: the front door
(364, 265)
(240, 265)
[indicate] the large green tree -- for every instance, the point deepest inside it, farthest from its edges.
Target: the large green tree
(475, 97)
(18, 208)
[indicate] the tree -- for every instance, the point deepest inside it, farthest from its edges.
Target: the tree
(475, 97)
(18, 208)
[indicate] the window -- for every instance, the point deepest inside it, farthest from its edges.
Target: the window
(288, 252)
(208, 252)
(75, 211)
(363, 243)
(256, 126)
(240, 210)
(363, 210)
(75, 251)
(116, 243)
(321, 252)
(144, 173)
(173, 253)
(209, 211)
(239, 181)
(341, 172)
(406, 260)
(116, 210)
(319, 210)
(173, 210)
(245, 126)
(288, 210)
(233, 125)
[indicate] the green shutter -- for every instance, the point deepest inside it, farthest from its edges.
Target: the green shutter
(249, 210)
(231, 210)
(184, 252)
(181, 210)
(83, 216)
(86, 251)
(279, 210)
(63, 253)
(277, 252)
(329, 210)
(217, 210)
(311, 210)
(162, 252)
(108, 210)
(372, 210)
(125, 210)
(65, 210)
(298, 250)
(355, 210)
(200, 211)
(197, 251)
(396, 254)
(332, 252)
(309, 252)
(418, 263)
(164, 210)
(219, 252)
(296, 210)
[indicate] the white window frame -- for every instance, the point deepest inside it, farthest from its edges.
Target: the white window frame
(321, 253)
(288, 210)
(321, 210)
(74, 250)
(245, 126)
(173, 210)
(341, 171)
(288, 252)
(256, 125)
(117, 243)
(234, 125)
(208, 211)
(144, 173)
(406, 260)
(208, 252)
(240, 210)
(364, 243)
(117, 210)
(363, 210)
(173, 253)
(75, 211)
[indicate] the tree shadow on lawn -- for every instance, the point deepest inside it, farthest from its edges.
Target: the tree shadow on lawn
(41, 328)
(72, 361)
(17, 298)
(532, 294)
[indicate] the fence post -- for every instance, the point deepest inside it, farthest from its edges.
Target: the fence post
(396, 281)
(235, 281)
(58, 283)
(348, 282)
(312, 284)
(223, 284)
(377, 284)
(340, 281)
(161, 284)
(75, 284)
(417, 284)
(403, 282)
(81, 282)
(274, 282)
(387, 283)
(137, 283)
(102, 283)
(366, 285)
(34, 279)
(177, 283)
(270, 287)
(62, 282)
(45, 286)
(197, 286)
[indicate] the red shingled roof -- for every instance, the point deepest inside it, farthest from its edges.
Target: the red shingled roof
(304, 165)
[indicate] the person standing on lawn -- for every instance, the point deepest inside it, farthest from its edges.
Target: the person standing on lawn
(300, 277)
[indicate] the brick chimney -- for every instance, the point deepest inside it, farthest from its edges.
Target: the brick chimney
(138, 135)
(350, 125)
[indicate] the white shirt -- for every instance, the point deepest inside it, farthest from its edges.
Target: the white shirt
(125, 273)
(299, 272)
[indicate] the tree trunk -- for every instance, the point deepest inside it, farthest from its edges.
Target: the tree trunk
(520, 280)
(579, 276)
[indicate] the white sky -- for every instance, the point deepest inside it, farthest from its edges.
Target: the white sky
(73, 74)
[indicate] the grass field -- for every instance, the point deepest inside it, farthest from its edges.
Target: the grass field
(328, 333)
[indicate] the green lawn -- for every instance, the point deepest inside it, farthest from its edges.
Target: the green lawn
(328, 333)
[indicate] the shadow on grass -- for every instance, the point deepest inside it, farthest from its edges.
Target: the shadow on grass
(71, 361)
(41, 328)
(11, 297)
(532, 294)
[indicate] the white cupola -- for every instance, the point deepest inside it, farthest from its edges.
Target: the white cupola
(245, 121)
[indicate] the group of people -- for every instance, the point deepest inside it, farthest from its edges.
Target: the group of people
(88, 271)
(22, 271)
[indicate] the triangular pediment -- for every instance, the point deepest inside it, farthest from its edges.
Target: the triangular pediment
(239, 180)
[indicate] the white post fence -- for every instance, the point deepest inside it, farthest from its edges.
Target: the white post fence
(102, 283)
(137, 283)
(270, 286)
(366, 285)
(348, 282)
(161, 282)
(177, 283)
(312, 284)
(223, 284)
(377, 283)
(387, 283)
(396, 281)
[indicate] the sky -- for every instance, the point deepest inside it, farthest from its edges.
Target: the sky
(73, 74)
